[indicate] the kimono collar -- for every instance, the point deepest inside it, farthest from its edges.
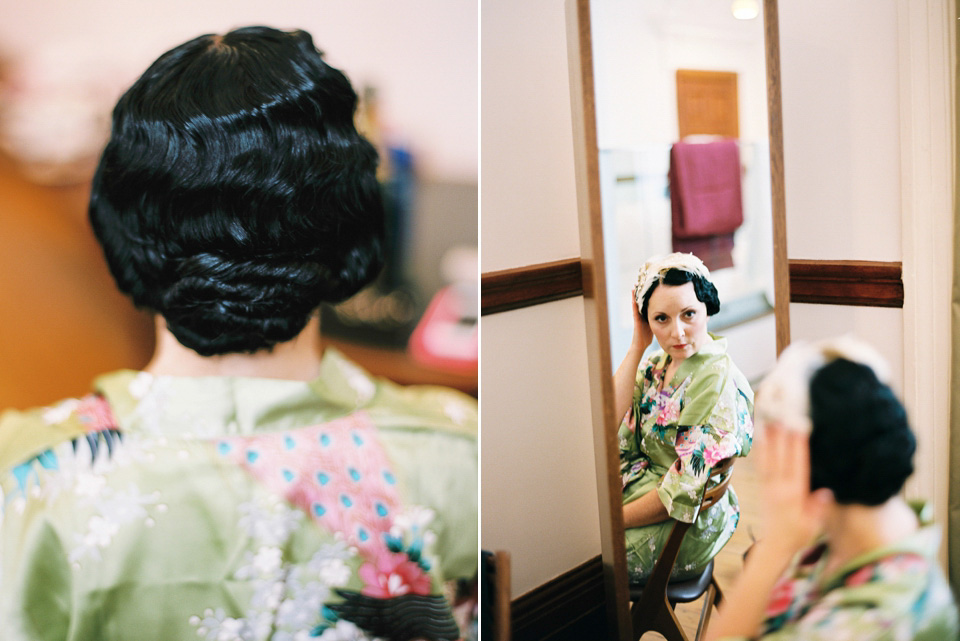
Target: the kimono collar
(705, 355)
(341, 386)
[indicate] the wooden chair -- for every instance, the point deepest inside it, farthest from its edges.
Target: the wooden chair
(495, 591)
(654, 601)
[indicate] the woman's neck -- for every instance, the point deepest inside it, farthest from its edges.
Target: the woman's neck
(297, 359)
(853, 530)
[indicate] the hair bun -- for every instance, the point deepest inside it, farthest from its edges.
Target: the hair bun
(861, 446)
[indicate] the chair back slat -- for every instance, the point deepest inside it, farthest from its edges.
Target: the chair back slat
(722, 469)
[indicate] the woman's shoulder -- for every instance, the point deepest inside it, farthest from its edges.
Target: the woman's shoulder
(27, 434)
(402, 406)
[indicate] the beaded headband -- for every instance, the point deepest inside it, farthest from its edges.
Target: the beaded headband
(654, 269)
(784, 395)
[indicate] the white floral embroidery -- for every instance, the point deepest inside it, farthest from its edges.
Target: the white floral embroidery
(217, 626)
(456, 411)
(359, 381)
(287, 600)
(344, 631)
(269, 520)
(113, 509)
(60, 412)
(413, 519)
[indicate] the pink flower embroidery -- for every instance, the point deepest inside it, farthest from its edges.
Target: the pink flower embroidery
(713, 454)
(668, 411)
(393, 574)
(861, 576)
(780, 598)
(95, 414)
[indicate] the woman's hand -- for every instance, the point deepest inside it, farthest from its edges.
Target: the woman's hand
(642, 334)
(793, 515)
(624, 380)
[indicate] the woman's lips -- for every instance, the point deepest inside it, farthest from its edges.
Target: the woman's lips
(680, 346)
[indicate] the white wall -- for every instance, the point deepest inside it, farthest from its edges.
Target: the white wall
(528, 193)
(642, 46)
(420, 54)
(841, 127)
(869, 117)
(539, 498)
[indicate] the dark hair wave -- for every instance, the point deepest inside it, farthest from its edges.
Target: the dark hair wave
(705, 290)
(235, 194)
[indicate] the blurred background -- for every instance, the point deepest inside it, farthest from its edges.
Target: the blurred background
(64, 63)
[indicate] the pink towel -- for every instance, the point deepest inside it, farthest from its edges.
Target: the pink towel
(706, 200)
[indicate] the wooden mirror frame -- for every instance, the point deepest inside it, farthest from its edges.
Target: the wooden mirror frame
(593, 269)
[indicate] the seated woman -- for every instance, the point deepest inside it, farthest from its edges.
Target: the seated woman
(685, 408)
(836, 450)
(244, 486)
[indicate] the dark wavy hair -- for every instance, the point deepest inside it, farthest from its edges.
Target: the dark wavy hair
(861, 447)
(705, 290)
(235, 194)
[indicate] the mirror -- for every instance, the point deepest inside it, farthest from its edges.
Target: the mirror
(642, 74)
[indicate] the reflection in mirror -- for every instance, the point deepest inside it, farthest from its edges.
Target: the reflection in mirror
(687, 72)
(637, 134)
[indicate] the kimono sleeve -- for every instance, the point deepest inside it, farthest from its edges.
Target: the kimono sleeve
(633, 461)
(859, 622)
(707, 433)
(35, 577)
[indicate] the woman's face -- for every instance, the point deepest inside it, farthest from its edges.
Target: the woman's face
(678, 320)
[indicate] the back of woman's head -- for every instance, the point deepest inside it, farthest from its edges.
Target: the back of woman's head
(235, 194)
(861, 446)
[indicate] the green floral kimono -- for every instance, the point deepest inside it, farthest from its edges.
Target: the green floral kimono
(897, 593)
(670, 439)
(224, 508)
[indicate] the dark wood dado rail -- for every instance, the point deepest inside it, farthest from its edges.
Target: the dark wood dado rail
(859, 283)
(520, 287)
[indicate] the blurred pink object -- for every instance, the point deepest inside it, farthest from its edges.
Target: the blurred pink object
(447, 337)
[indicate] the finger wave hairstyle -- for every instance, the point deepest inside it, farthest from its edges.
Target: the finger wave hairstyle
(235, 194)
(861, 445)
(705, 290)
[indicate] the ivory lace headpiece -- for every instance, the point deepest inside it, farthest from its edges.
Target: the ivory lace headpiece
(654, 269)
(784, 395)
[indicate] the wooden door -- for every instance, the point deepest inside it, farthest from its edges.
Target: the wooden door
(707, 103)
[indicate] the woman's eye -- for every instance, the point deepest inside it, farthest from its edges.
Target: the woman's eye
(660, 319)
(689, 314)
